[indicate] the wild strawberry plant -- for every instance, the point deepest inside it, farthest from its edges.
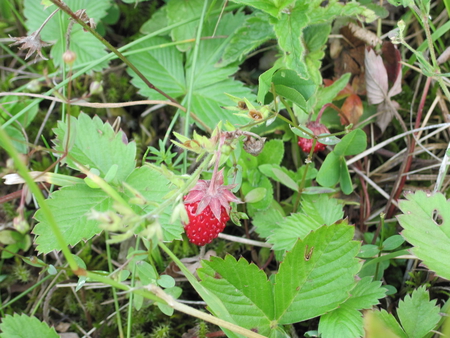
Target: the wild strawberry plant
(320, 274)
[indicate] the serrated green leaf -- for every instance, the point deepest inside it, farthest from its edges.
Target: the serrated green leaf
(345, 180)
(96, 145)
(207, 102)
(353, 143)
(154, 186)
(418, 314)
(86, 46)
(344, 322)
(156, 22)
(70, 206)
(366, 294)
(272, 153)
(165, 70)
(273, 7)
(23, 326)
(255, 30)
(431, 212)
(330, 171)
(323, 208)
(244, 290)
(184, 10)
(266, 221)
(162, 66)
(289, 32)
(291, 229)
(317, 275)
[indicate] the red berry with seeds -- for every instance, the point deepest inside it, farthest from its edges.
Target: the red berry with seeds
(204, 227)
(208, 208)
(306, 144)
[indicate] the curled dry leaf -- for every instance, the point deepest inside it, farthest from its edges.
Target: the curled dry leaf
(32, 42)
(377, 83)
(365, 35)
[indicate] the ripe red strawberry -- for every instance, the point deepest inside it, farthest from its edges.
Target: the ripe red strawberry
(204, 227)
(208, 207)
(306, 144)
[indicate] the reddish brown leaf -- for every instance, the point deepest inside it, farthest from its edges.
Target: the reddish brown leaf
(352, 109)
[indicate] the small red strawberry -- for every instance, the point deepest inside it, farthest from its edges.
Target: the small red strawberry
(208, 208)
(306, 144)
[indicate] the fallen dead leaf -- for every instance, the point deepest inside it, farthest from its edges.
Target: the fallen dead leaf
(377, 85)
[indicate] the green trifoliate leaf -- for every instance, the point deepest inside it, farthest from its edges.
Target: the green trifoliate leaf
(243, 289)
(317, 274)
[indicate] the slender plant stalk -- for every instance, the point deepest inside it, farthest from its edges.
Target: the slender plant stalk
(116, 301)
(131, 299)
(192, 79)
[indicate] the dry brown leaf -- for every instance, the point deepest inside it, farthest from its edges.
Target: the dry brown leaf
(352, 109)
(377, 84)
